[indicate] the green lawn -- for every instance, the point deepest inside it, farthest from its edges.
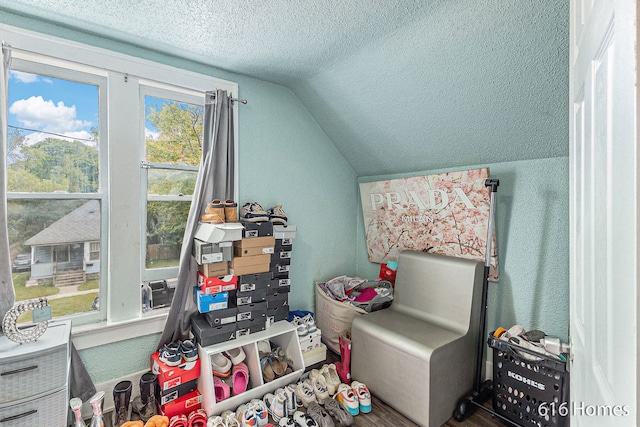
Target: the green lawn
(160, 263)
(90, 284)
(24, 293)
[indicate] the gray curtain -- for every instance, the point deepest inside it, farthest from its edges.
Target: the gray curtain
(7, 294)
(215, 181)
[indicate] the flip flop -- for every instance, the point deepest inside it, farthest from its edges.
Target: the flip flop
(240, 378)
(267, 369)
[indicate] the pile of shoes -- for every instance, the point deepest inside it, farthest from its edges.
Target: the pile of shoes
(230, 373)
(320, 400)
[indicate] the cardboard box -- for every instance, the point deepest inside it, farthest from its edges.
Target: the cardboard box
(182, 405)
(254, 246)
(207, 335)
(257, 310)
(251, 297)
(214, 285)
(221, 317)
(215, 269)
(277, 299)
(206, 303)
(206, 252)
(241, 266)
(284, 231)
(257, 229)
(251, 282)
(278, 313)
(279, 285)
(170, 377)
(216, 233)
(250, 326)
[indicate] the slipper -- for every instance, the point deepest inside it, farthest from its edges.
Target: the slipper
(221, 389)
(236, 355)
(197, 418)
(304, 420)
(364, 396)
(240, 378)
(220, 365)
(267, 369)
(337, 411)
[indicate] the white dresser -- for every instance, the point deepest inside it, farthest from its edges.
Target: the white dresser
(34, 379)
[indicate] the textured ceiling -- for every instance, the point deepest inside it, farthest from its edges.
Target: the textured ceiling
(398, 85)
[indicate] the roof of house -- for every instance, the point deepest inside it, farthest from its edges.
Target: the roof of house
(80, 225)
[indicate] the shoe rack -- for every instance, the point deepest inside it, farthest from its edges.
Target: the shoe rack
(281, 334)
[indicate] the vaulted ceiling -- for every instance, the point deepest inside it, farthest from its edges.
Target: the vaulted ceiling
(397, 85)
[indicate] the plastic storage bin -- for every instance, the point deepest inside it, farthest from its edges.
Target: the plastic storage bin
(529, 388)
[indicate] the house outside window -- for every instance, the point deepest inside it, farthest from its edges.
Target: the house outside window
(91, 188)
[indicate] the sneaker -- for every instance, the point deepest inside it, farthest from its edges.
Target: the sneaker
(330, 373)
(189, 350)
(288, 422)
(290, 392)
(277, 215)
(304, 420)
(253, 212)
(347, 397)
(321, 417)
(320, 389)
(301, 327)
(305, 393)
(214, 212)
(170, 356)
(261, 411)
(310, 323)
(276, 404)
(246, 416)
(220, 365)
(336, 410)
(364, 397)
(216, 421)
(230, 419)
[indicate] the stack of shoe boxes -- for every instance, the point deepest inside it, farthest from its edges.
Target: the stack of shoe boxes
(213, 251)
(280, 283)
(252, 258)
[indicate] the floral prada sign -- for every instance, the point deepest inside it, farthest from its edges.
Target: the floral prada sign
(444, 213)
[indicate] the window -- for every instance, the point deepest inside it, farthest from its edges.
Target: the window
(108, 143)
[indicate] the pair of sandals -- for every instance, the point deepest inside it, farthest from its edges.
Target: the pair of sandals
(239, 383)
(275, 364)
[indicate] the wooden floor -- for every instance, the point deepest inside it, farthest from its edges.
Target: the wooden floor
(383, 415)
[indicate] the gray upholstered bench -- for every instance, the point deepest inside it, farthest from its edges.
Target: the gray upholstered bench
(419, 355)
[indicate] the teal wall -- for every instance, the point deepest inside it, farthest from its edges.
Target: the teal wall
(285, 158)
(532, 230)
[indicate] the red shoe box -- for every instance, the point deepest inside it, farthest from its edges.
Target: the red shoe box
(214, 285)
(173, 376)
(387, 274)
(183, 405)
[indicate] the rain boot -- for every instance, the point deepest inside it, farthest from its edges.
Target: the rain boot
(145, 404)
(343, 367)
(121, 402)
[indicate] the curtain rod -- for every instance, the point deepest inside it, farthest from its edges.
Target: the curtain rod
(242, 101)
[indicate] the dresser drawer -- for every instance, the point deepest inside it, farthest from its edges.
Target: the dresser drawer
(32, 376)
(45, 411)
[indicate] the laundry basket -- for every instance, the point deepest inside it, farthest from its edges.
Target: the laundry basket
(334, 318)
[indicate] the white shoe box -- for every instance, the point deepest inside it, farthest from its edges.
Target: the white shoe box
(310, 341)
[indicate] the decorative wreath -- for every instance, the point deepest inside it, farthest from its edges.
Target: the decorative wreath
(10, 329)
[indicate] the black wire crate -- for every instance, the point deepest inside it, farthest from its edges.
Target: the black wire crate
(529, 388)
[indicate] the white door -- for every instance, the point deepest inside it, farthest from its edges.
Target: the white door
(603, 213)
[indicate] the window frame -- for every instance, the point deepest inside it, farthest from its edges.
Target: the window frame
(120, 315)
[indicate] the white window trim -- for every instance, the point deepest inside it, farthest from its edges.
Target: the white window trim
(124, 318)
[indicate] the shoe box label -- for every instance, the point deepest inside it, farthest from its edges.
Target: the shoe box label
(222, 317)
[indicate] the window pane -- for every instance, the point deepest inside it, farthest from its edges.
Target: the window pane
(173, 131)
(166, 222)
(53, 135)
(171, 182)
(50, 242)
